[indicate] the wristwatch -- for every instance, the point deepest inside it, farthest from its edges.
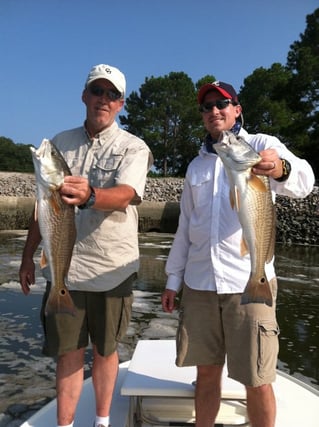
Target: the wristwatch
(90, 201)
(286, 169)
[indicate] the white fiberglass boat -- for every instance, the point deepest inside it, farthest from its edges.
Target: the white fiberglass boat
(152, 391)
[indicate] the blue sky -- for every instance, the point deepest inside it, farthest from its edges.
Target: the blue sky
(48, 47)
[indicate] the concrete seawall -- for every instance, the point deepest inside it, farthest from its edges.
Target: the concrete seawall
(161, 217)
(158, 216)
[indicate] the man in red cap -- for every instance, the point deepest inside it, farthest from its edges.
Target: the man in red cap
(205, 262)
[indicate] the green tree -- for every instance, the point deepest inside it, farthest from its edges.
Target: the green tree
(264, 104)
(165, 115)
(15, 157)
(284, 100)
(303, 97)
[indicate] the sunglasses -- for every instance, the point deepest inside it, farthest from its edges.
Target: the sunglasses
(111, 94)
(220, 104)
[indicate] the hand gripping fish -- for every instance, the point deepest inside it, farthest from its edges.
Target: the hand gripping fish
(251, 196)
(56, 223)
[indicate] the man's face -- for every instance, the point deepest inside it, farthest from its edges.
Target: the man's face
(217, 120)
(101, 107)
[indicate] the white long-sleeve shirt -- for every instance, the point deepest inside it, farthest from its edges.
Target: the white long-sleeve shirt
(206, 250)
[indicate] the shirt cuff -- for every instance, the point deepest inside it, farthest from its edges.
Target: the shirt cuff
(174, 283)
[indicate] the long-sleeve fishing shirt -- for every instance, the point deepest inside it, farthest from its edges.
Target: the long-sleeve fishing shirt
(206, 250)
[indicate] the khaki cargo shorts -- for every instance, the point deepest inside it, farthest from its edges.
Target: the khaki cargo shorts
(212, 326)
(101, 318)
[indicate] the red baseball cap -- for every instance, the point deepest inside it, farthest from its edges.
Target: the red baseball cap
(225, 89)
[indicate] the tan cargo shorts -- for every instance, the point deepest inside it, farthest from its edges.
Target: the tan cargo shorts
(214, 326)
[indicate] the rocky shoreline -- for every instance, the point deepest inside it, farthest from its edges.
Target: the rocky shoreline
(297, 219)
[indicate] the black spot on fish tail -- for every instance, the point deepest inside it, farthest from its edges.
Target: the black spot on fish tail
(59, 301)
(257, 291)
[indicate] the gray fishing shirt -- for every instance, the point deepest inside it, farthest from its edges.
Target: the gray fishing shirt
(106, 250)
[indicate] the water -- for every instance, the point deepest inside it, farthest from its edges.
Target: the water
(26, 377)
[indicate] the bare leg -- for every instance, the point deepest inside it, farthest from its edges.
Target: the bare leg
(207, 394)
(104, 374)
(69, 381)
(261, 406)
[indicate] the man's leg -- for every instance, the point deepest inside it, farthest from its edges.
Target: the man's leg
(104, 374)
(261, 406)
(207, 394)
(69, 381)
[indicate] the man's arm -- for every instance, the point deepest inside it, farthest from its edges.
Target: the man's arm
(27, 268)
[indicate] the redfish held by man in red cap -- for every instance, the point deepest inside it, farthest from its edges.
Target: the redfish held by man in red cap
(250, 196)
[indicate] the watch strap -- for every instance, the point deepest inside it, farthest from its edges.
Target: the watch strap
(286, 169)
(90, 201)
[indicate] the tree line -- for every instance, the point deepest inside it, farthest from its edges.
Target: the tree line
(282, 100)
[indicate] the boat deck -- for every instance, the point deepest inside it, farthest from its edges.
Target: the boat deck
(151, 392)
(161, 392)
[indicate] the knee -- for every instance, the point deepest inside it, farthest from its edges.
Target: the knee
(209, 374)
(73, 358)
(259, 391)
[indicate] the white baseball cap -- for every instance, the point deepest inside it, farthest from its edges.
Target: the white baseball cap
(107, 72)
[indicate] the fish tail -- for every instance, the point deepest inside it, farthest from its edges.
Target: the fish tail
(59, 301)
(257, 291)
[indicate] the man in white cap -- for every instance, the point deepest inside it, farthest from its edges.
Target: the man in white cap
(109, 168)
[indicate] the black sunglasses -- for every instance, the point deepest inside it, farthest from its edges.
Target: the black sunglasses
(111, 94)
(220, 104)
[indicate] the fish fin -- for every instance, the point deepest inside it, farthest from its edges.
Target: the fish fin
(237, 199)
(60, 301)
(234, 198)
(43, 260)
(256, 183)
(272, 243)
(257, 291)
(243, 247)
(55, 202)
(36, 211)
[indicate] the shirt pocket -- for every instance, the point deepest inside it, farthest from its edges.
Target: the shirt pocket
(201, 186)
(104, 171)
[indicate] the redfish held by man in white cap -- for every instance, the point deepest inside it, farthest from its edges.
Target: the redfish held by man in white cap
(56, 223)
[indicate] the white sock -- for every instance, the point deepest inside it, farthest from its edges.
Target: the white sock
(68, 425)
(104, 421)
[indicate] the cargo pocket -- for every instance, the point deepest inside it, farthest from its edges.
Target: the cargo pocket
(181, 341)
(125, 317)
(268, 332)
